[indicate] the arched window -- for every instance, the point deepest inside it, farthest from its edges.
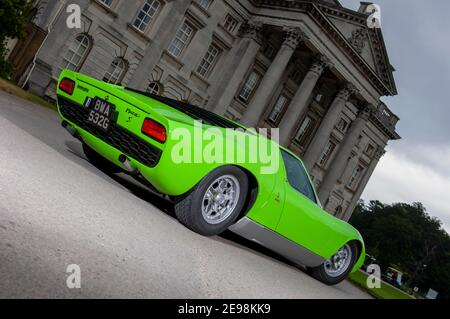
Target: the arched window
(116, 71)
(154, 88)
(77, 52)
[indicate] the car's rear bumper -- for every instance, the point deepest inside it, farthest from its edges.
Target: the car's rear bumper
(118, 137)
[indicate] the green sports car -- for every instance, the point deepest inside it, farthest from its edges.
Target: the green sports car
(264, 194)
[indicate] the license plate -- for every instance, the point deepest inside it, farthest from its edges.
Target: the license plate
(100, 113)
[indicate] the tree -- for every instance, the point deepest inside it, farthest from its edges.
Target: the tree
(13, 16)
(407, 236)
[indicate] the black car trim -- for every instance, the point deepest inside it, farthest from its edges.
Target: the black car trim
(117, 136)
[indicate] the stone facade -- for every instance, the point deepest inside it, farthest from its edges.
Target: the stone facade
(312, 68)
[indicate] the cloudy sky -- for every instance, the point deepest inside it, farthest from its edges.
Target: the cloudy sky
(417, 168)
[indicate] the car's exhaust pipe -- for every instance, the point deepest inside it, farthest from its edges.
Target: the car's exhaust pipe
(69, 128)
(128, 166)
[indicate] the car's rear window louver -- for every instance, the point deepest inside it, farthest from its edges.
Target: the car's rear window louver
(193, 111)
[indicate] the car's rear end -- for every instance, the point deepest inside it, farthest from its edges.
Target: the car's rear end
(115, 123)
(131, 129)
(104, 111)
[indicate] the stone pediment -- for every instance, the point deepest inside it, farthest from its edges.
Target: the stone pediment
(368, 43)
(349, 30)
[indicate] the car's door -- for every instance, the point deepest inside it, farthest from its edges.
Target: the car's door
(303, 220)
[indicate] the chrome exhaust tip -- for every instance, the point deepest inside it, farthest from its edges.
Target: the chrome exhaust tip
(128, 166)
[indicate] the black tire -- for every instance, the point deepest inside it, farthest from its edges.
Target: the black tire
(189, 210)
(320, 274)
(99, 161)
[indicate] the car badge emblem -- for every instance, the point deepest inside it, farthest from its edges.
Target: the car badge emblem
(277, 198)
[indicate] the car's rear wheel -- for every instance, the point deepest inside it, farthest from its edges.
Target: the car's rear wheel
(337, 268)
(215, 203)
(99, 161)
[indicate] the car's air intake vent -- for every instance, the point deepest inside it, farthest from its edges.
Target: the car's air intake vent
(117, 136)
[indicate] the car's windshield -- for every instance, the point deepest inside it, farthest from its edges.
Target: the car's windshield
(297, 176)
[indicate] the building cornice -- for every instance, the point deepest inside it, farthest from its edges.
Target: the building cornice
(385, 120)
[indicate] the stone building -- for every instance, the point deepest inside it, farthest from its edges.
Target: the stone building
(311, 67)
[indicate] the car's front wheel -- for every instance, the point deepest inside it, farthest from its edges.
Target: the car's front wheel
(338, 267)
(215, 203)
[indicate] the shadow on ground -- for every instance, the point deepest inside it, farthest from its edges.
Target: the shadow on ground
(142, 192)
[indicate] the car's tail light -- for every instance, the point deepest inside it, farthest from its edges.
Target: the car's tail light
(67, 85)
(154, 129)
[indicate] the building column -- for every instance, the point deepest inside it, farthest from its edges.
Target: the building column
(352, 163)
(240, 63)
(326, 126)
(363, 183)
(152, 54)
(343, 153)
(272, 78)
(299, 102)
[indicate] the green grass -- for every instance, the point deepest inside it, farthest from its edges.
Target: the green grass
(385, 292)
(17, 91)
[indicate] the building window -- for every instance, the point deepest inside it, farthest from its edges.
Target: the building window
(116, 71)
(356, 176)
(278, 109)
(204, 3)
(370, 149)
(305, 130)
(106, 2)
(318, 97)
(181, 39)
(249, 86)
(297, 75)
(154, 88)
(342, 125)
(77, 53)
(269, 51)
(208, 61)
(146, 14)
(230, 23)
(326, 154)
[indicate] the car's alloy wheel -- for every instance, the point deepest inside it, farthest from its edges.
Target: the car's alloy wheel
(215, 203)
(339, 262)
(220, 199)
(337, 268)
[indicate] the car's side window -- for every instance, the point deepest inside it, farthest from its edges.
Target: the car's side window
(297, 176)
